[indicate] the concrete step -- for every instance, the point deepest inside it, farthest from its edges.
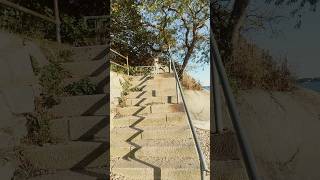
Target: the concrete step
(229, 170)
(164, 75)
(86, 68)
(152, 84)
(172, 142)
(85, 174)
(158, 168)
(155, 151)
(151, 100)
(128, 134)
(81, 105)
(153, 92)
(69, 155)
(101, 82)
(140, 110)
(89, 53)
(143, 94)
(150, 120)
(141, 78)
(79, 128)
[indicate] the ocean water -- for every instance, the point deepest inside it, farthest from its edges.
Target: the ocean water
(315, 85)
(206, 88)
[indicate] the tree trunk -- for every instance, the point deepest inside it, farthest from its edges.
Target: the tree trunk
(236, 21)
(185, 61)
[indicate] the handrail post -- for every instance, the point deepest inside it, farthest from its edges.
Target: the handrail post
(127, 58)
(170, 65)
(177, 92)
(57, 21)
(217, 103)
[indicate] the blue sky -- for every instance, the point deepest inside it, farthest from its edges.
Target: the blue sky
(201, 74)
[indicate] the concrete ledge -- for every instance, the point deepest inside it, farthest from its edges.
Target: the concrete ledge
(82, 105)
(66, 156)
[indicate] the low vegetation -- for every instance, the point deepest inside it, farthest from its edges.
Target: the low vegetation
(254, 67)
(190, 83)
(38, 124)
(51, 77)
(126, 85)
(51, 81)
(82, 87)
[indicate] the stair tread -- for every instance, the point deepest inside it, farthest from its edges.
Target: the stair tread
(162, 162)
(150, 116)
(81, 105)
(85, 174)
(155, 143)
(86, 68)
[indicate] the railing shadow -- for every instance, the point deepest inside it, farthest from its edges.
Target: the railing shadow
(100, 69)
(102, 150)
(100, 88)
(144, 81)
(131, 154)
(141, 94)
(101, 55)
(94, 108)
(140, 101)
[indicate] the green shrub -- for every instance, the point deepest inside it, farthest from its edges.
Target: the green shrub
(82, 87)
(135, 71)
(65, 55)
(125, 86)
(118, 69)
(38, 125)
(51, 77)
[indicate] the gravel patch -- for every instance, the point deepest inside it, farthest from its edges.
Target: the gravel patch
(114, 176)
(204, 138)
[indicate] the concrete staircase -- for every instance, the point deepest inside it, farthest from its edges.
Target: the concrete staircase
(81, 125)
(150, 137)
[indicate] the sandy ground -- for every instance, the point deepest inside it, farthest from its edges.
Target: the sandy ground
(198, 103)
(283, 129)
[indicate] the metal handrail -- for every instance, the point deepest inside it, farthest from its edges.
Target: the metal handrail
(245, 148)
(203, 165)
(55, 20)
(124, 57)
(117, 64)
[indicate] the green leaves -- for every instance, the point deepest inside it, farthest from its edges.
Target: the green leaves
(82, 87)
(179, 24)
(51, 77)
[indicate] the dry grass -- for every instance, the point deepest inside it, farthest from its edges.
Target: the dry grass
(190, 83)
(256, 68)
